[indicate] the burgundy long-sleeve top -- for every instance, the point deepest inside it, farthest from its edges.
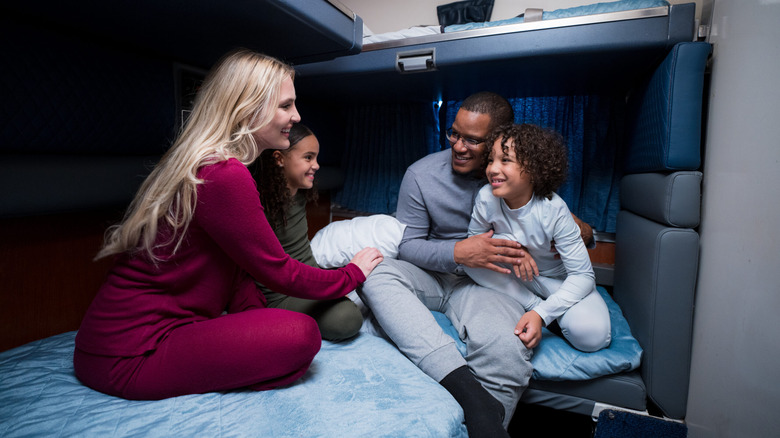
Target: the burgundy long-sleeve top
(228, 244)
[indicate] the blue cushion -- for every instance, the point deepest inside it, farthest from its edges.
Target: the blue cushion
(555, 359)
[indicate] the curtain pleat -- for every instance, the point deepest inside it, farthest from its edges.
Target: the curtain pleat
(382, 141)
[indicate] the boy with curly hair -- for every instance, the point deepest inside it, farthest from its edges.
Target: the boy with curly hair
(524, 164)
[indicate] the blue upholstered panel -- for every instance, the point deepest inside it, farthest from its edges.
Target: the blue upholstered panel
(656, 257)
(665, 114)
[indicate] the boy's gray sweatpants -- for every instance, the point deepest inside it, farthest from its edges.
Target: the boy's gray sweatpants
(401, 295)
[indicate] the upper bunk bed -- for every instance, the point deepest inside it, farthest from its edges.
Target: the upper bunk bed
(126, 64)
(560, 54)
(199, 32)
(362, 105)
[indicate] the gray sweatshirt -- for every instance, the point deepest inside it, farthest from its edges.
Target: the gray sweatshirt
(435, 204)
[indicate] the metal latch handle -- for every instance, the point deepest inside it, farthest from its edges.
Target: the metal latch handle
(416, 61)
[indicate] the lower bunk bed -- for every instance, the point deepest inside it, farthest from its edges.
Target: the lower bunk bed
(356, 388)
(360, 387)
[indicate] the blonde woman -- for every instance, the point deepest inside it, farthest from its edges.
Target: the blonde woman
(180, 312)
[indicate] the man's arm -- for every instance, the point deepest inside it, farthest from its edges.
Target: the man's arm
(480, 250)
(418, 205)
(415, 247)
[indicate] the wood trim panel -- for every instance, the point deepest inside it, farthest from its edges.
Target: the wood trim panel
(48, 276)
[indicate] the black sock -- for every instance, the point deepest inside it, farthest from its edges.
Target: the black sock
(484, 414)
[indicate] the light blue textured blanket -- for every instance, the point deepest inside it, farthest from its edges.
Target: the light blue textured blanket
(359, 388)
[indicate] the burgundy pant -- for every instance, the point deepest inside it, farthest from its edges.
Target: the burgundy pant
(260, 349)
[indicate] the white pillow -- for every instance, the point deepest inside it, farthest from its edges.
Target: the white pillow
(336, 244)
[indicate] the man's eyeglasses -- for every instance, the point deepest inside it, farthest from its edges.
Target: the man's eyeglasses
(470, 143)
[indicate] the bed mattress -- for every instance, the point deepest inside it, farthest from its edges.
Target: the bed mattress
(362, 387)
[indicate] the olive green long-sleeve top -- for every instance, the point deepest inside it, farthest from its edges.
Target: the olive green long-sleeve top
(294, 238)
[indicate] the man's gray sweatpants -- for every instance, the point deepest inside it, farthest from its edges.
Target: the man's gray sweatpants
(401, 295)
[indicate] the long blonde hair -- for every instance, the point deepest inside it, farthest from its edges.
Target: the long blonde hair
(237, 98)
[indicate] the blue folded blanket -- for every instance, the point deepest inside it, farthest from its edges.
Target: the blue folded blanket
(577, 11)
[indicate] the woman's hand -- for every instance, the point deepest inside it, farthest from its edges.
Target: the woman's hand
(529, 329)
(366, 259)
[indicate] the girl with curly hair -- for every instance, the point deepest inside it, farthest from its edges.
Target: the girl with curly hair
(524, 167)
(179, 312)
(286, 182)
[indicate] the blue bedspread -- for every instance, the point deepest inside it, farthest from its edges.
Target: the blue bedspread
(359, 388)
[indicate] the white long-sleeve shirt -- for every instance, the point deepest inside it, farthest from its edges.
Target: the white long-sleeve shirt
(536, 225)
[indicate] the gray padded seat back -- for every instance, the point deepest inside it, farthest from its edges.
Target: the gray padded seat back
(672, 199)
(655, 279)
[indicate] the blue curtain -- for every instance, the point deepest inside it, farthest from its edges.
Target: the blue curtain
(382, 140)
(591, 127)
